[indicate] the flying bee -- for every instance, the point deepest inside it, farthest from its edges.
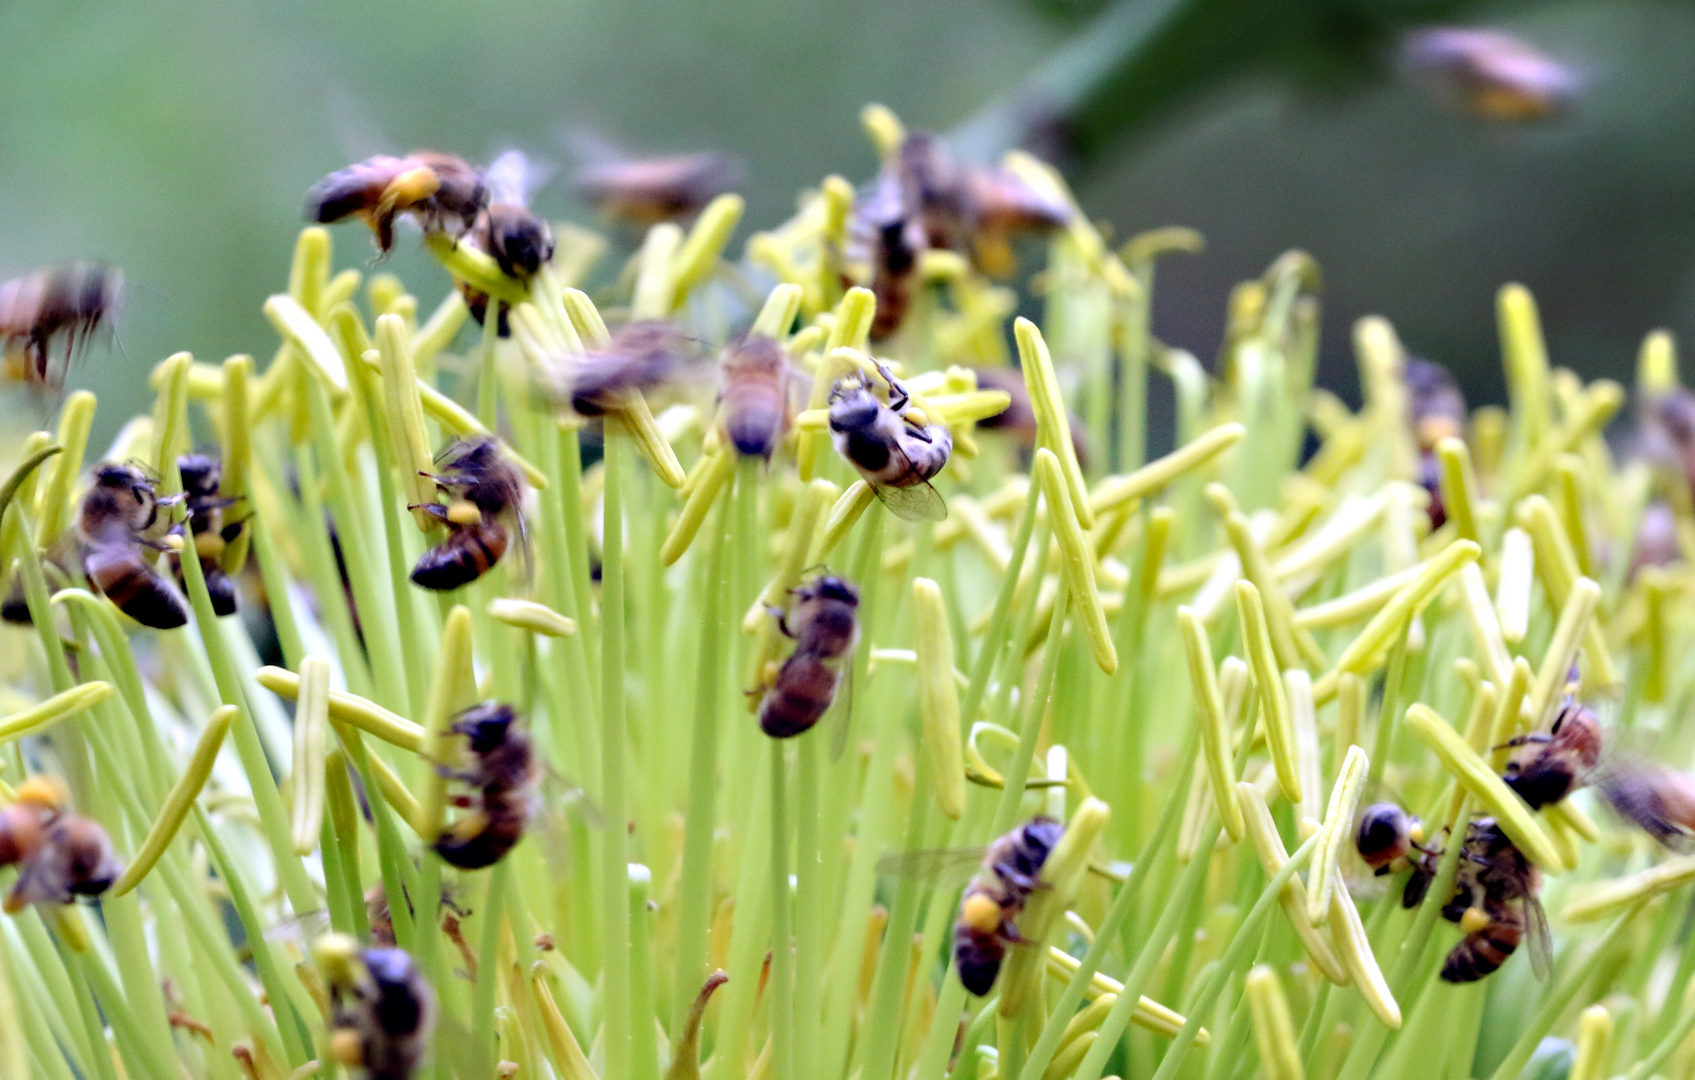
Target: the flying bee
(916, 203)
(61, 855)
(824, 624)
(643, 192)
(1490, 74)
(989, 910)
(382, 1011)
(1547, 767)
(1496, 902)
(503, 773)
(23, 823)
(1002, 204)
(1436, 410)
(69, 301)
(1659, 800)
(434, 188)
(641, 357)
(201, 477)
(114, 525)
(894, 455)
(753, 400)
(486, 492)
(519, 241)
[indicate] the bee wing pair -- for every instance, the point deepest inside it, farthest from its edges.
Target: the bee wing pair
(942, 866)
(918, 503)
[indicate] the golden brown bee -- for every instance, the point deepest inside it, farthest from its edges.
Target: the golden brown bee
(1490, 74)
(641, 357)
(61, 855)
(1660, 800)
(504, 774)
(1495, 902)
(642, 192)
(487, 493)
(753, 400)
(1548, 767)
(382, 1013)
(894, 455)
(201, 477)
(823, 623)
(117, 516)
(519, 241)
(69, 301)
(988, 913)
(434, 188)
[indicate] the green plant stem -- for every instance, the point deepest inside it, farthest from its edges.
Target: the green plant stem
(781, 994)
(809, 920)
(615, 912)
(878, 1048)
(488, 966)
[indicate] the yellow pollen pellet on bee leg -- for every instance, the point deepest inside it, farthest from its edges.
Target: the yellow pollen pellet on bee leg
(1473, 920)
(464, 513)
(980, 913)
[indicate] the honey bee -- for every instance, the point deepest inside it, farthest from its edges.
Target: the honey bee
(894, 455)
(1490, 74)
(1495, 902)
(641, 357)
(1003, 204)
(61, 855)
(504, 775)
(643, 192)
(117, 516)
(1547, 767)
(753, 400)
(1659, 800)
(989, 910)
(519, 241)
(1436, 410)
(69, 301)
(201, 477)
(486, 492)
(382, 1011)
(1388, 840)
(434, 188)
(823, 622)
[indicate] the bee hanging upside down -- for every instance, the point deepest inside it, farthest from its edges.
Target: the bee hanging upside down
(115, 526)
(487, 492)
(896, 456)
(1496, 902)
(68, 302)
(382, 1011)
(434, 188)
(823, 622)
(503, 774)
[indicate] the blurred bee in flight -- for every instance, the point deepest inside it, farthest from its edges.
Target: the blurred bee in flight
(60, 855)
(434, 188)
(823, 621)
(201, 477)
(487, 494)
(68, 302)
(896, 456)
(754, 406)
(1490, 74)
(1659, 800)
(502, 775)
(118, 521)
(642, 192)
(519, 241)
(382, 1011)
(641, 358)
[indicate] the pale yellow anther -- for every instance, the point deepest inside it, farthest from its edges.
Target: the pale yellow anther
(1337, 831)
(474, 268)
(1594, 1039)
(1210, 716)
(1464, 763)
(311, 343)
(311, 745)
(61, 706)
(1156, 475)
(884, 129)
(1146, 1013)
(698, 256)
(715, 475)
(1512, 589)
(1459, 486)
(535, 617)
(1274, 1029)
(54, 506)
(1078, 565)
(352, 709)
(180, 800)
(1053, 423)
(1268, 846)
(1656, 364)
(1274, 704)
(1485, 627)
(1617, 895)
(1348, 935)
(938, 697)
(843, 515)
(171, 436)
(409, 440)
(1575, 620)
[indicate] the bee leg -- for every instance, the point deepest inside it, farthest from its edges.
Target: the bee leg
(782, 618)
(435, 510)
(1520, 740)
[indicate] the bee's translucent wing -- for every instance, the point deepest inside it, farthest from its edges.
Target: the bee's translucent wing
(920, 502)
(563, 797)
(949, 864)
(302, 929)
(1541, 939)
(842, 708)
(512, 178)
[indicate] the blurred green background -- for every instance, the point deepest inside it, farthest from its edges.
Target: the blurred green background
(176, 138)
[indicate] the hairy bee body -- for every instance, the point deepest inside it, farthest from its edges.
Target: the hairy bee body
(641, 357)
(434, 188)
(117, 512)
(201, 478)
(1497, 884)
(60, 855)
(990, 908)
(896, 458)
(503, 776)
(382, 1022)
(823, 621)
(1483, 951)
(1546, 768)
(487, 492)
(753, 402)
(69, 301)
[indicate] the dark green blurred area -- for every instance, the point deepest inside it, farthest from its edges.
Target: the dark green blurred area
(176, 140)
